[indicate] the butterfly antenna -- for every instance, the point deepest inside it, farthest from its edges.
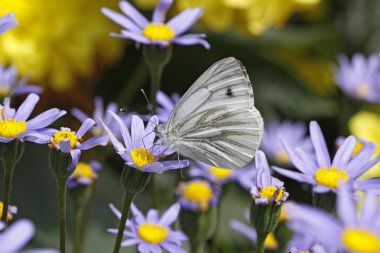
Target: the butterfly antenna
(123, 109)
(147, 100)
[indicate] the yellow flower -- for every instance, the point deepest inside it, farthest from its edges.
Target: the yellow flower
(59, 43)
(365, 125)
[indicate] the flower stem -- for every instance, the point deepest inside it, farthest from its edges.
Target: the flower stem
(128, 198)
(7, 188)
(61, 187)
(198, 248)
(78, 228)
(261, 242)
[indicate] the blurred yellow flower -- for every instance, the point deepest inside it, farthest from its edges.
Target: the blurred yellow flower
(254, 16)
(59, 43)
(365, 125)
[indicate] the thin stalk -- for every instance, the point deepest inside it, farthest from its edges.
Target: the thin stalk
(61, 187)
(155, 76)
(198, 247)
(78, 228)
(128, 198)
(154, 191)
(7, 188)
(260, 245)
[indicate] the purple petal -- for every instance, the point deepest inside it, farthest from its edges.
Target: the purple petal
(185, 20)
(121, 20)
(368, 184)
(360, 159)
(115, 211)
(117, 144)
(152, 216)
(172, 248)
(27, 107)
(344, 153)
(305, 165)
(244, 229)
(131, 12)
(16, 236)
(160, 11)
(101, 140)
(86, 125)
(25, 89)
(370, 209)
(39, 138)
(44, 119)
(7, 22)
(65, 146)
(132, 36)
(130, 242)
(137, 131)
(123, 129)
(303, 178)
(75, 155)
(192, 39)
(263, 176)
(79, 114)
(173, 165)
(346, 206)
(170, 215)
(320, 146)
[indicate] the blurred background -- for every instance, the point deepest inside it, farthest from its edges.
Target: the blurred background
(289, 48)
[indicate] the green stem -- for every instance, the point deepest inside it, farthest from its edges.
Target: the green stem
(7, 188)
(78, 228)
(155, 75)
(126, 206)
(154, 191)
(260, 245)
(61, 187)
(198, 247)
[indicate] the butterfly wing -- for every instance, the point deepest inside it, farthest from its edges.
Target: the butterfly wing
(215, 121)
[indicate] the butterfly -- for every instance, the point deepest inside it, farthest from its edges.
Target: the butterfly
(216, 121)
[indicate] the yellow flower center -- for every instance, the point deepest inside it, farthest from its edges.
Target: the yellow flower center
(142, 157)
(158, 32)
(269, 191)
(84, 170)
(330, 177)
(270, 241)
(66, 135)
(9, 215)
(11, 127)
(152, 233)
(362, 90)
(282, 157)
(360, 240)
(358, 146)
(220, 173)
(199, 192)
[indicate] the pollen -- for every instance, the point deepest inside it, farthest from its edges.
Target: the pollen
(66, 135)
(360, 240)
(330, 177)
(9, 214)
(220, 173)
(152, 232)
(199, 192)
(269, 191)
(142, 157)
(84, 170)
(158, 32)
(11, 127)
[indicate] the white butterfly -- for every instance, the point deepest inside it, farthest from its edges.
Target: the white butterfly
(216, 121)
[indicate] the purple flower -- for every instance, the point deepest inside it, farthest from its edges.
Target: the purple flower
(166, 105)
(360, 78)
(197, 195)
(244, 176)
(294, 133)
(84, 174)
(68, 141)
(14, 123)
(301, 243)
(7, 22)
(136, 27)
(16, 236)
(99, 113)
(10, 84)
(267, 189)
(152, 233)
(354, 231)
(139, 150)
(320, 172)
(251, 234)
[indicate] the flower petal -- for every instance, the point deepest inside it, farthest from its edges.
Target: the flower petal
(16, 236)
(319, 144)
(170, 215)
(132, 36)
(65, 146)
(160, 11)
(121, 20)
(123, 129)
(115, 210)
(79, 114)
(344, 153)
(131, 12)
(244, 229)
(44, 119)
(75, 155)
(303, 178)
(27, 107)
(86, 125)
(101, 140)
(115, 142)
(185, 20)
(137, 131)
(346, 206)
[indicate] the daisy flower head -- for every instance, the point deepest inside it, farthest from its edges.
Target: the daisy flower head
(294, 133)
(353, 231)
(84, 174)
(319, 171)
(100, 114)
(244, 176)
(139, 148)
(197, 195)
(152, 233)
(10, 84)
(67, 141)
(7, 22)
(267, 189)
(16, 236)
(157, 32)
(14, 124)
(360, 77)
